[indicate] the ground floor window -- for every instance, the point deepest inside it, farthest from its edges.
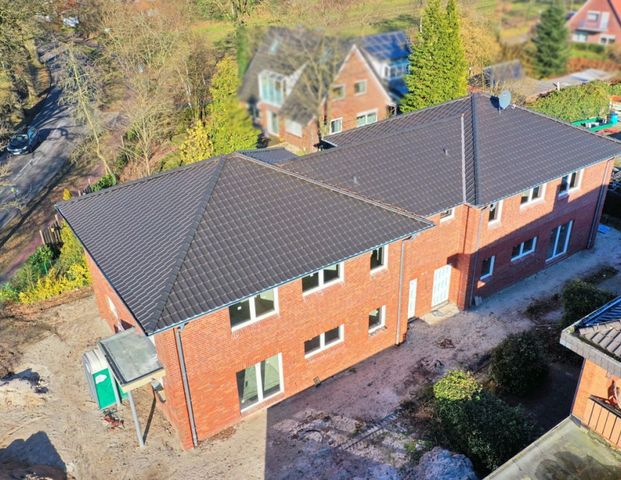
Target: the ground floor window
(377, 319)
(487, 267)
(323, 341)
(525, 248)
(273, 126)
(259, 381)
(559, 240)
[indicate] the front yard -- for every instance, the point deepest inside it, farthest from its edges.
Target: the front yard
(357, 423)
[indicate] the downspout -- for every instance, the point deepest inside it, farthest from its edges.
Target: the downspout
(186, 385)
(600, 199)
(400, 301)
(475, 262)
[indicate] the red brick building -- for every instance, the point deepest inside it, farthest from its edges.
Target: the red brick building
(297, 75)
(258, 274)
(597, 21)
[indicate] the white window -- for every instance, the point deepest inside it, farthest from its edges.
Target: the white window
(260, 382)
(338, 92)
(447, 214)
(379, 258)
(293, 128)
(525, 248)
(324, 277)
(592, 16)
(323, 341)
(366, 118)
(569, 182)
(487, 267)
(272, 87)
(532, 195)
(273, 126)
(580, 37)
(396, 69)
(253, 309)
(360, 87)
(494, 211)
(559, 240)
(336, 125)
(607, 39)
(377, 319)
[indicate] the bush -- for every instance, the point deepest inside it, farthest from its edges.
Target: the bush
(55, 284)
(477, 423)
(581, 298)
(104, 182)
(35, 267)
(518, 363)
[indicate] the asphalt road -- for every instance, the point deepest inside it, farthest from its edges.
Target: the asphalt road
(58, 135)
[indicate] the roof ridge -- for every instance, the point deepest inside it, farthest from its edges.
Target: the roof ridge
(386, 206)
(395, 117)
(189, 238)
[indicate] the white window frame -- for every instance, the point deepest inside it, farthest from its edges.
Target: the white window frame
(568, 190)
(525, 253)
(339, 119)
(580, 37)
(607, 39)
(271, 114)
(382, 324)
(276, 76)
(491, 268)
(595, 13)
(334, 87)
(448, 217)
(366, 115)
(292, 127)
(363, 82)
(532, 200)
(322, 283)
(558, 234)
(383, 266)
(253, 310)
(499, 213)
(322, 341)
(260, 397)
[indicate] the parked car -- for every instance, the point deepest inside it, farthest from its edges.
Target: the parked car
(23, 142)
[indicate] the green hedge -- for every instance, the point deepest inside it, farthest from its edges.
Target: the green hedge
(34, 268)
(479, 424)
(518, 364)
(581, 298)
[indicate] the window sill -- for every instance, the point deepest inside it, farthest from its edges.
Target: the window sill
(252, 321)
(376, 330)
(521, 257)
(486, 278)
(493, 224)
(556, 257)
(322, 349)
(534, 203)
(380, 269)
(254, 406)
(322, 287)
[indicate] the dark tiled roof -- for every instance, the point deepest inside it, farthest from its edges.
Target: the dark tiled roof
(272, 156)
(190, 241)
(505, 152)
(386, 46)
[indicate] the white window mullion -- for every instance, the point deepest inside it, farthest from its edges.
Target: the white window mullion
(253, 309)
(257, 367)
(566, 246)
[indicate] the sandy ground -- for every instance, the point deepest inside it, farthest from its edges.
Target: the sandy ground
(320, 433)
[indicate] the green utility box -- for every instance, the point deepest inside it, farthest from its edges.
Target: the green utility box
(102, 384)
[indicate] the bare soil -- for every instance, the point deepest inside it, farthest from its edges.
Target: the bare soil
(345, 428)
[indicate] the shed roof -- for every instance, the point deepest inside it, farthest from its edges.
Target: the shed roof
(181, 244)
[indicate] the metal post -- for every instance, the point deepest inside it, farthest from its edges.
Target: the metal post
(130, 397)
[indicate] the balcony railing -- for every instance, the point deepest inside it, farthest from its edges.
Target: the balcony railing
(605, 420)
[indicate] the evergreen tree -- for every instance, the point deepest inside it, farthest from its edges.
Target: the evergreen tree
(228, 126)
(551, 42)
(437, 63)
(457, 68)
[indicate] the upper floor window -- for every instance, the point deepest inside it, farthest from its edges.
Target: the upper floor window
(377, 319)
(272, 87)
(525, 248)
(493, 214)
(360, 87)
(259, 381)
(379, 258)
(322, 277)
(447, 214)
(592, 16)
(336, 125)
(323, 341)
(366, 118)
(338, 92)
(569, 182)
(254, 308)
(531, 195)
(487, 267)
(396, 69)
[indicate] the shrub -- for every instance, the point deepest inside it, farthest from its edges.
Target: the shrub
(104, 182)
(477, 423)
(518, 363)
(55, 284)
(35, 267)
(581, 298)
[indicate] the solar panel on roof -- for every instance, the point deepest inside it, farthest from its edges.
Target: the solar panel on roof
(387, 46)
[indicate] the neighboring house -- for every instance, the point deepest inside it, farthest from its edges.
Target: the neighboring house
(297, 76)
(570, 449)
(258, 275)
(597, 21)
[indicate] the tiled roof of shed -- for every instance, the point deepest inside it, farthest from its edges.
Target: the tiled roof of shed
(192, 240)
(603, 328)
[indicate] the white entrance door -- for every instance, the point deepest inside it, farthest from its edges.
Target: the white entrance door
(441, 285)
(412, 299)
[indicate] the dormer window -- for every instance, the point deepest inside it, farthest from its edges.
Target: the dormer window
(593, 17)
(338, 92)
(396, 69)
(272, 87)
